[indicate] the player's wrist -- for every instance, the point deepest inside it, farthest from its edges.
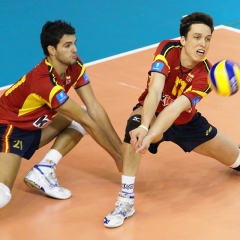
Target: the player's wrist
(144, 127)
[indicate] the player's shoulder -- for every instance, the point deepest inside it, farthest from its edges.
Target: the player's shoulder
(167, 46)
(42, 66)
(171, 42)
(202, 68)
(206, 65)
(40, 71)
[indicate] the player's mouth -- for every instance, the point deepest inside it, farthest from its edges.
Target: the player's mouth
(200, 52)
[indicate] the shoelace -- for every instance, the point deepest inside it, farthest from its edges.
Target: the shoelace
(51, 178)
(121, 208)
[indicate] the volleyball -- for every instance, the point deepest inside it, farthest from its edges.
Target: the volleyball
(224, 78)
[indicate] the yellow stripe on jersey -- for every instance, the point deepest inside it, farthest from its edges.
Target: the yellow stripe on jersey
(53, 92)
(34, 101)
(81, 73)
(162, 58)
(16, 85)
(206, 64)
(202, 94)
(49, 64)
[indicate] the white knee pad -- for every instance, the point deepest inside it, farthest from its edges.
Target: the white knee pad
(75, 125)
(5, 195)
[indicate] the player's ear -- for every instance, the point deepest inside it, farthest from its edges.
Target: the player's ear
(51, 50)
(182, 40)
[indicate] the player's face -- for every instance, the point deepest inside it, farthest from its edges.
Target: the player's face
(66, 51)
(195, 45)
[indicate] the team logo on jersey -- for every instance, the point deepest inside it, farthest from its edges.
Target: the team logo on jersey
(68, 80)
(61, 97)
(157, 66)
(189, 77)
(42, 122)
(166, 100)
(195, 100)
(85, 77)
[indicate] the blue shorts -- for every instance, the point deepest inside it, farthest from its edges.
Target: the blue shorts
(17, 141)
(188, 136)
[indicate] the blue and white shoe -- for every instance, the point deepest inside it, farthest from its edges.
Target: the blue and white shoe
(42, 178)
(124, 208)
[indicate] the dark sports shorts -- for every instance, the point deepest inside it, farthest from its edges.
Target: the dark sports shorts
(187, 136)
(17, 141)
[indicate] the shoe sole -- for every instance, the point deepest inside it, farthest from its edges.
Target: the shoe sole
(35, 187)
(107, 226)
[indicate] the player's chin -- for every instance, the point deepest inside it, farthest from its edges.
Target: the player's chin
(200, 58)
(73, 61)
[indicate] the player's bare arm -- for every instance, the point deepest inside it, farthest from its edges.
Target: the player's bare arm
(164, 120)
(99, 115)
(74, 111)
(149, 108)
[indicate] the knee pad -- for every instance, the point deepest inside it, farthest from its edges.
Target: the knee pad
(236, 166)
(5, 195)
(132, 123)
(77, 126)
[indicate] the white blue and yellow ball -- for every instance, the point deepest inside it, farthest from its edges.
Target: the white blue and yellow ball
(224, 77)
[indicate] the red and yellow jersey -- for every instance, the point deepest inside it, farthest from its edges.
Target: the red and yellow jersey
(29, 103)
(179, 81)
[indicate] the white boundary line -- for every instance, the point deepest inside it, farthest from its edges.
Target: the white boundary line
(5, 87)
(138, 50)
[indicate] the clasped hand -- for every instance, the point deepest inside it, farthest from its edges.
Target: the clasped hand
(139, 140)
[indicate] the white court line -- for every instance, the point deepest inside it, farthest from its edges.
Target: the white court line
(228, 28)
(138, 50)
(124, 84)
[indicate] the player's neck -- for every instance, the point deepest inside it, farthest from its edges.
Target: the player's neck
(58, 67)
(186, 61)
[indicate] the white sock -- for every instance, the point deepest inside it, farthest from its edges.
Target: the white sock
(53, 156)
(127, 184)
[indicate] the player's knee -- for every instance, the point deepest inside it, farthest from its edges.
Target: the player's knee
(84, 108)
(5, 195)
(236, 164)
(132, 123)
(77, 126)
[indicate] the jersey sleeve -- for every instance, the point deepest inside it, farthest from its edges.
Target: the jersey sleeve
(164, 57)
(199, 88)
(49, 93)
(82, 78)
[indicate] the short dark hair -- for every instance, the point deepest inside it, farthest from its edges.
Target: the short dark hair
(52, 32)
(196, 17)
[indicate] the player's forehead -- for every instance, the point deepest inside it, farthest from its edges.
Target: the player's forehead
(67, 38)
(200, 28)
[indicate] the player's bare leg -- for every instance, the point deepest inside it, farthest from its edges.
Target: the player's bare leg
(124, 207)
(220, 148)
(42, 176)
(9, 167)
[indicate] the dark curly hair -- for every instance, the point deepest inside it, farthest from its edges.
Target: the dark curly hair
(196, 17)
(52, 32)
